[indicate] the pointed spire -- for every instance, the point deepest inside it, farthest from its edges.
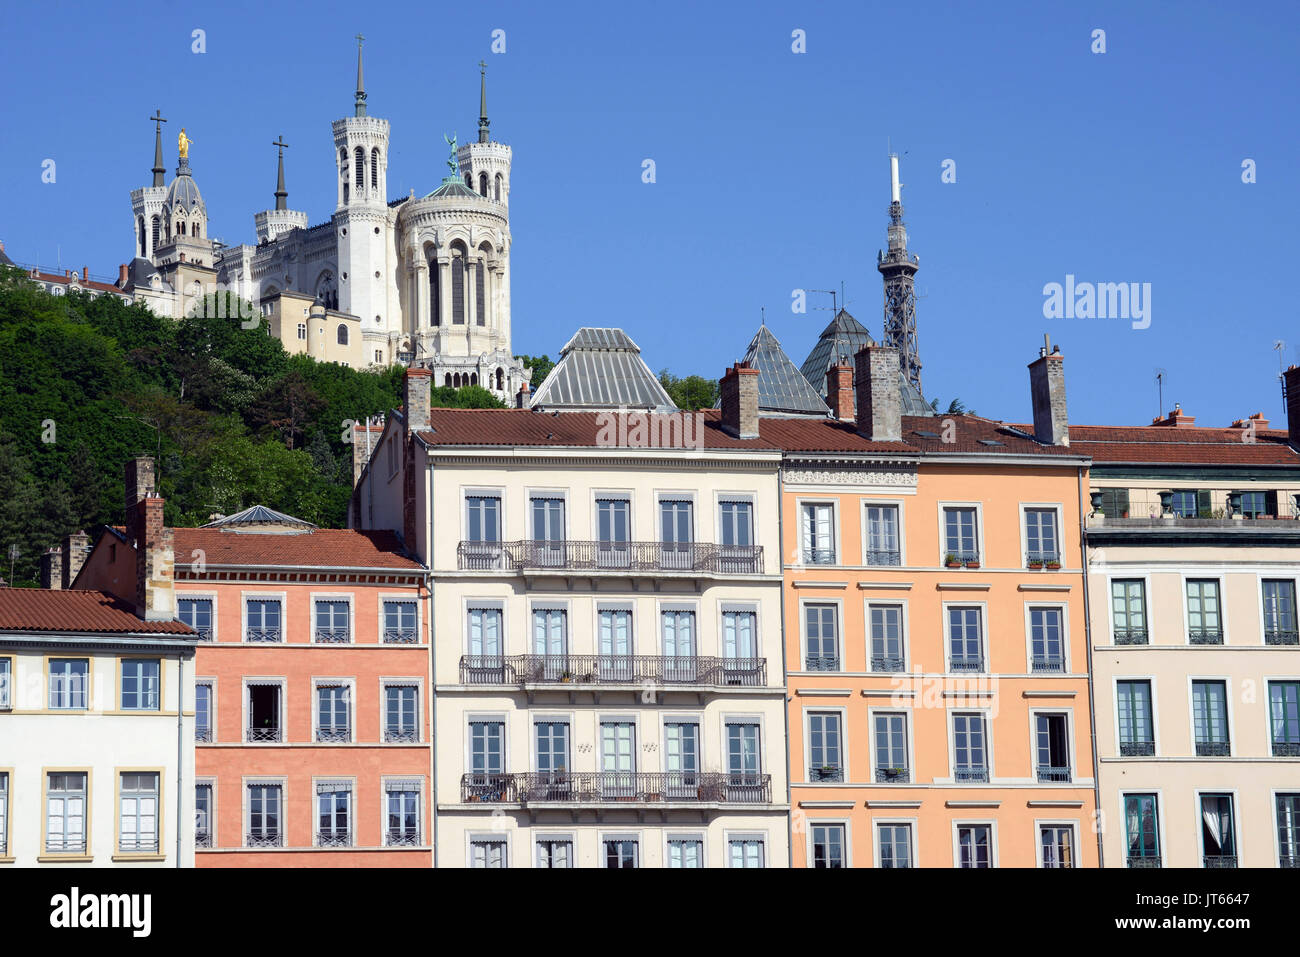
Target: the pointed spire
(483, 135)
(158, 168)
(361, 81)
(281, 194)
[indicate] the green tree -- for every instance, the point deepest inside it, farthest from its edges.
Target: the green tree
(541, 366)
(690, 393)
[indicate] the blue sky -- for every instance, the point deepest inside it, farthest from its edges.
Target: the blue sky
(771, 169)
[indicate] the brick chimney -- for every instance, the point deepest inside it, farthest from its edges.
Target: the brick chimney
(1177, 419)
(522, 397)
(1291, 379)
(155, 555)
(876, 382)
(76, 547)
(416, 396)
(85, 273)
(364, 440)
(122, 276)
(839, 391)
(739, 401)
(1047, 391)
(52, 569)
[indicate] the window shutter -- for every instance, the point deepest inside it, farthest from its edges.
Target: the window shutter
(1202, 502)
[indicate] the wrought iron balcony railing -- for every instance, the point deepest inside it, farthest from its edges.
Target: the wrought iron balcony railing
(1219, 860)
(1130, 636)
(1213, 749)
(333, 732)
(400, 636)
(635, 670)
(401, 734)
(638, 557)
(65, 844)
(402, 837)
(262, 635)
(204, 634)
(826, 773)
(144, 844)
(968, 774)
(886, 663)
(893, 775)
(884, 556)
(1042, 558)
(1288, 860)
(1205, 636)
(263, 734)
(334, 838)
(202, 733)
(822, 663)
(1053, 775)
(617, 787)
(1286, 749)
(1042, 663)
(202, 837)
(333, 636)
(1137, 749)
(819, 556)
(1144, 860)
(966, 663)
(1282, 637)
(268, 837)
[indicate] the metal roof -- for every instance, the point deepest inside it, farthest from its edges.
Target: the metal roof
(601, 369)
(838, 343)
(455, 190)
(258, 515)
(781, 387)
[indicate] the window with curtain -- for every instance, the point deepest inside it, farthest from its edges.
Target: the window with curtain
(1284, 717)
(1218, 834)
(487, 854)
(1136, 730)
(138, 811)
(1210, 718)
(65, 813)
(1288, 829)
(745, 852)
(882, 535)
(557, 852)
(1142, 830)
(1129, 611)
(1280, 612)
(685, 852)
(818, 534)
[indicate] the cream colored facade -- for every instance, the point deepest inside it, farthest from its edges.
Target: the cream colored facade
(307, 328)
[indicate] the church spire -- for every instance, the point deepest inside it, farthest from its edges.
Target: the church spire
(483, 136)
(897, 268)
(158, 168)
(361, 81)
(281, 194)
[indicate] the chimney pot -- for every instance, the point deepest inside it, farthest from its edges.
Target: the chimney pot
(52, 569)
(416, 399)
(1047, 393)
(876, 382)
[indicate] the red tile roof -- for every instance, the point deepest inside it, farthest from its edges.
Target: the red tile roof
(320, 548)
(1195, 445)
(76, 277)
(38, 609)
(521, 427)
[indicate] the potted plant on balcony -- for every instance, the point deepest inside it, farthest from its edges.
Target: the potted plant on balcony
(951, 561)
(972, 563)
(827, 772)
(1035, 563)
(893, 774)
(566, 676)
(1054, 565)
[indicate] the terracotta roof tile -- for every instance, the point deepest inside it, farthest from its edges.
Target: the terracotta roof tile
(1165, 445)
(38, 609)
(320, 548)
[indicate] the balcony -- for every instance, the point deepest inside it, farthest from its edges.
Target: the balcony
(1137, 749)
(1219, 860)
(263, 734)
(1282, 637)
(333, 733)
(202, 837)
(822, 663)
(65, 844)
(1052, 663)
(1043, 560)
(966, 663)
(268, 837)
(618, 787)
(203, 734)
(533, 555)
(893, 776)
(1144, 860)
(1286, 749)
(819, 556)
(629, 670)
(1205, 636)
(401, 735)
(886, 663)
(145, 844)
(402, 837)
(1288, 860)
(400, 636)
(970, 775)
(826, 773)
(332, 636)
(1130, 636)
(877, 556)
(204, 634)
(334, 838)
(1213, 749)
(262, 635)
(1053, 775)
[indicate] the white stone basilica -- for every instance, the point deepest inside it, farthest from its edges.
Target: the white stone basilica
(426, 279)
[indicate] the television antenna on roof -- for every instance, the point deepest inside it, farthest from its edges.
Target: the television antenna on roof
(1161, 376)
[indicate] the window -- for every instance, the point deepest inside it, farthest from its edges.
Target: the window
(1191, 503)
(737, 523)
(555, 852)
(1129, 611)
(333, 712)
(959, 535)
(682, 758)
(818, 535)
(486, 759)
(551, 643)
(1114, 502)
(617, 759)
(1288, 830)
(1258, 504)
(679, 643)
(485, 664)
(1052, 748)
(827, 845)
(823, 645)
(333, 814)
(265, 828)
(1204, 626)
(975, 845)
(263, 620)
(621, 852)
(882, 535)
(1210, 718)
(676, 532)
(138, 833)
(891, 748)
(484, 513)
(401, 623)
(685, 852)
(1041, 541)
(969, 748)
(1136, 729)
(615, 644)
(1218, 834)
(333, 622)
(401, 712)
(203, 723)
(745, 782)
(487, 853)
(302, 330)
(374, 168)
(895, 844)
(1279, 612)
(548, 531)
(480, 289)
(552, 739)
(745, 852)
(4, 813)
(264, 711)
(1284, 718)
(197, 613)
(824, 754)
(886, 623)
(6, 683)
(965, 642)
(739, 645)
(402, 805)
(140, 681)
(65, 813)
(203, 819)
(1046, 639)
(343, 335)
(1057, 843)
(69, 684)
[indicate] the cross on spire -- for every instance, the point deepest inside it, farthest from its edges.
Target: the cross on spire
(361, 83)
(281, 194)
(483, 135)
(158, 168)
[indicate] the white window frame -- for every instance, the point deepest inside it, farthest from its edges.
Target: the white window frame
(1064, 608)
(949, 713)
(1226, 681)
(384, 782)
(703, 838)
(837, 533)
(1071, 744)
(351, 782)
(745, 835)
(489, 717)
(628, 495)
(547, 492)
(349, 599)
(909, 733)
(986, 649)
(405, 598)
(839, 632)
(468, 605)
(991, 823)
(280, 681)
(620, 835)
(1056, 507)
(282, 597)
(482, 491)
(211, 682)
(911, 822)
(390, 681)
(814, 822)
(494, 837)
(1073, 825)
(900, 505)
(210, 782)
(246, 817)
(806, 716)
(728, 607)
(979, 531)
(182, 595)
(540, 836)
(905, 632)
(720, 497)
(326, 681)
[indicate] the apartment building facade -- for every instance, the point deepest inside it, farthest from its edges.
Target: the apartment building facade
(1192, 575)
(310, 690)
(607, 658)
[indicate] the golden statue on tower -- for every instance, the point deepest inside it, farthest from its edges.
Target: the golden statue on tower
(183, 144)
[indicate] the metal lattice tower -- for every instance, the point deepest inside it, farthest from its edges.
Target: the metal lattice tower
(897, 267)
